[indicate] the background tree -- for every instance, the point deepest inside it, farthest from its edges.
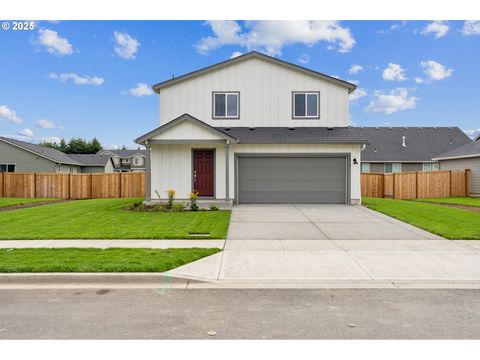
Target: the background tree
(75, 146)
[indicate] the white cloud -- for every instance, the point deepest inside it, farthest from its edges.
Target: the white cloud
(126, 46)
(8, 114)
(394, 72)
(55, 44)
(355, 69)
(473, 133)
(26, 132)
(272, 35)
(236, 54)
(140, 90)
(77, 79)
(45, 124)
(391, 101)
(394, 27)
(418, 80)
(357, 94)
(435, 71)
(438, 28)
(471, 27)
(304, 59)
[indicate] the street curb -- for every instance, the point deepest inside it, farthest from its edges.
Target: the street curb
(91, 278)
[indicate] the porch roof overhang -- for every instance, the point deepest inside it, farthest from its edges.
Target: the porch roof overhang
(149, 138)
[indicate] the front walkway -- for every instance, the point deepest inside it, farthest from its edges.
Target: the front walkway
(302, 243)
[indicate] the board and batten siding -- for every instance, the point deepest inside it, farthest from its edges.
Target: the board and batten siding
(265, 96)
(468, 163)
(171, 165)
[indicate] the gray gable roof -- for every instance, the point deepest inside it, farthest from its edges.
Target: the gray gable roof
(423, 143)
(125, 153)
(300, 135)
(469, 150)
(91, 159)
(49, 153)
(351, 87)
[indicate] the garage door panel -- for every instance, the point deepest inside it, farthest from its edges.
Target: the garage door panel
(291, 179)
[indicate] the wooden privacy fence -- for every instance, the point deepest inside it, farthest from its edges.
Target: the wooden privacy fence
(416, 185)
(72, 186)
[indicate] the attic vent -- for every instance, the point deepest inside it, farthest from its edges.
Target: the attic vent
(434, 128)
(404, 138)
(421, 128)
(376, 127)
(405, 128)
(451, 141)
(375, 150)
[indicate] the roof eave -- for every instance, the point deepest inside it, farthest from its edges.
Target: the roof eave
(456, 157)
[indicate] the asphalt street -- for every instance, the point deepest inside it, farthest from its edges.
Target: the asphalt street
(239, 314)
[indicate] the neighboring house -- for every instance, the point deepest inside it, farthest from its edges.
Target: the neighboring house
(94, 163)
(255, 129)
(464, 157)
(21, 156)
(127, 160)
(396, 149)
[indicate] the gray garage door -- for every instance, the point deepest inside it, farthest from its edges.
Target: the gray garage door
(292, 180)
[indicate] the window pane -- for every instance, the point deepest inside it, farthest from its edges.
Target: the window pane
(232, 105)
(219, 104)
(435, 166)
(388, 168)
(397, 167)
(299, 104)
(3, 167)
(312, 104)
(366, 167)
(426, 167)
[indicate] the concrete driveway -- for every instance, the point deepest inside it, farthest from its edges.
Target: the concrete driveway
(284, 243)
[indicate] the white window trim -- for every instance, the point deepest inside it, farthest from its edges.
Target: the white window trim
(306, 93)
(226, 93)
(7, 164)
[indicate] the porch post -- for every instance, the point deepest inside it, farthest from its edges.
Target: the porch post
(227, 170)
(148, 174)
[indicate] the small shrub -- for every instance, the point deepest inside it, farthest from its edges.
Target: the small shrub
(171, 197)
(193, 196)
(213, 208)
(177, 207)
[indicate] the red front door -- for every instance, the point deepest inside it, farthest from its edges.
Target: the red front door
(203, 172)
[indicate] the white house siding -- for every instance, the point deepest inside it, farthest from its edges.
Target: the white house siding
(265, 96)
(171, 168)
(171, 165)
(468, 163)
(109, 167)
(187, 131)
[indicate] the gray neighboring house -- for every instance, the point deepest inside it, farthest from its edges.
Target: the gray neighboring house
(464, 157)
(126, 160)
(94, 163)
(396, 149)
(21, 156)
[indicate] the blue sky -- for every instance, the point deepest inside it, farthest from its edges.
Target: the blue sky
(81, 78)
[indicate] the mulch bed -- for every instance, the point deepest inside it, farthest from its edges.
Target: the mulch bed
(29, 205)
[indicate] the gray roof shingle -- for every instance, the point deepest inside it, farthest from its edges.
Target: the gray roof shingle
(423, 143)
(467, 150)
(52, 154)
(272, 135)
(124, 153)
(91, 159)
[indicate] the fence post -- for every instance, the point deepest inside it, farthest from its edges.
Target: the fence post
(416, 184)
(34, 185)
(467, 182)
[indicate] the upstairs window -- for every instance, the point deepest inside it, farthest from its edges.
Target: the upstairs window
(138, 161)
(226, 105)
(306, 105)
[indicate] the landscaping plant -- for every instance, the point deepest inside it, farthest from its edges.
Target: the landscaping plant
(171, 198)
(193, 196)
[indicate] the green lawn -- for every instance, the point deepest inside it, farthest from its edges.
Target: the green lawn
(108, 219)
(445, 221)
(97, 260)
(466, 201)
(19, 201)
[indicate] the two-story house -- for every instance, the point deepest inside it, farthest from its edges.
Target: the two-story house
(126, 160)
(255, 129)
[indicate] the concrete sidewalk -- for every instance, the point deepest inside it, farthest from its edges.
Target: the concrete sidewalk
(104, 244)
